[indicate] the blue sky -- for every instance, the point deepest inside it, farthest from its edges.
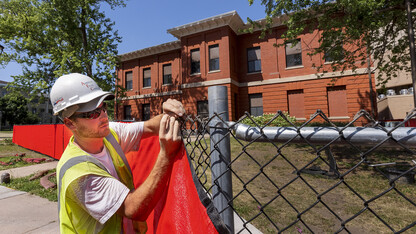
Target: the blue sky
(142, 24)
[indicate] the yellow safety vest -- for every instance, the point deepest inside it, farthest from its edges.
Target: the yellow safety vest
(74, 164)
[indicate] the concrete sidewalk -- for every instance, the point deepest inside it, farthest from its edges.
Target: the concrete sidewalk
(4, 135)
(21, 212)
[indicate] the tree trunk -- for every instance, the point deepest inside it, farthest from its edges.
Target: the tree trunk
(87, 63)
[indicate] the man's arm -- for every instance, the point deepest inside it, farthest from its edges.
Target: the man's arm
(139, 203)
(151, 126)
(171, 107)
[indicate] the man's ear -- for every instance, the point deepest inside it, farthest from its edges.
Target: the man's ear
(69, 124)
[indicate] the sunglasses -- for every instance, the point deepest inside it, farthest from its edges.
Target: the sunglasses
(91, 114)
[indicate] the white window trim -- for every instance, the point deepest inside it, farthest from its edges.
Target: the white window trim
(339, 117)
(294, 67)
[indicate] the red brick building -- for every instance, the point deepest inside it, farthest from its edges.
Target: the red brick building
(261, 78)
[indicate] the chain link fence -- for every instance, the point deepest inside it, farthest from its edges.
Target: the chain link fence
(310, 177)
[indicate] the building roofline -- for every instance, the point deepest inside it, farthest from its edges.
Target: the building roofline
(3, 83)
(165, 47)
(231, 19)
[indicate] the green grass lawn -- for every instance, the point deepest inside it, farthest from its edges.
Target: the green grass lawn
(8, 152)
(13, 154)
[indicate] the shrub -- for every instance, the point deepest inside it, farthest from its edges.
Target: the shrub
(326, 124)
(31, 119)
(278, 121)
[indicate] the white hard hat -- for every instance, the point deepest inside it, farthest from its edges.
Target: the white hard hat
(76, 93)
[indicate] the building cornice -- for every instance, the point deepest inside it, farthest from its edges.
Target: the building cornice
(276, 22)
(174, 92)
(162, 48)
(209, 83)
(231, 19)
(329, 75)
(3, 83)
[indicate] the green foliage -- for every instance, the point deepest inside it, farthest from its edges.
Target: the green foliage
(14, 108)
(326, 124)
(349, 31)
(15, 111)
(31, 119)
(279, 121)
(271, 120)
(50, 38)
(110, 110)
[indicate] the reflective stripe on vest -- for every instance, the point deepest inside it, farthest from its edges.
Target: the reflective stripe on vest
(110, 138)
(72, 162)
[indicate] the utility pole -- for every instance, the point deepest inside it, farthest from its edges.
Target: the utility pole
(411, 46)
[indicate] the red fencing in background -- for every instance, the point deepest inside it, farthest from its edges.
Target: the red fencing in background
(48, 139)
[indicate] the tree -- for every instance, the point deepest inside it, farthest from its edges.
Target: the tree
(14, 108)
(50, 38)
(351, 31)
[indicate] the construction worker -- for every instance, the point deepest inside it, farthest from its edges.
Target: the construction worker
(95, 186)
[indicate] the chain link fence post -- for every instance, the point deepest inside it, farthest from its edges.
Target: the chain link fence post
(220, 153)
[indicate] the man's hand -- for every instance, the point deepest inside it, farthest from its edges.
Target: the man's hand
(169, 137)
(174, 108)
(171, 108)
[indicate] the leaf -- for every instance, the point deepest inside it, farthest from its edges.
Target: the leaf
(54, 37)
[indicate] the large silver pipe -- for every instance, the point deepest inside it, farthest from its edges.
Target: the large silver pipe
(323, 135)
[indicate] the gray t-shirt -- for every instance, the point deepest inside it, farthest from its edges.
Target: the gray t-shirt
(101, 196)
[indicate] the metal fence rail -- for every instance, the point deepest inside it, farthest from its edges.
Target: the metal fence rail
(303, 179)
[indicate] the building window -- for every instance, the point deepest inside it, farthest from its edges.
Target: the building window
(146, 111)
(127, 112)
(293, 53)
(202, 108)
(214, 58)
(129, 80)
(147, 78)
(202, 112)
(195, 61)
(337, 101)
(256, 104)
(167, 74)
(296, 103)
(335, 53)
(253, 59)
